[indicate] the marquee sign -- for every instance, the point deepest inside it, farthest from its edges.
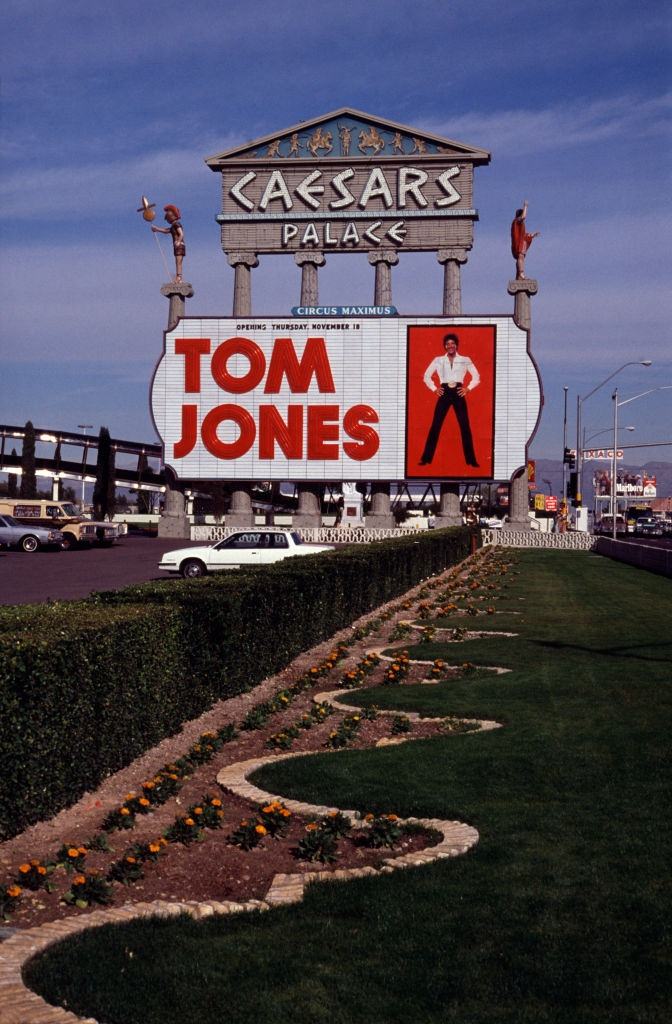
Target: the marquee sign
(323, 399)
(347, 182)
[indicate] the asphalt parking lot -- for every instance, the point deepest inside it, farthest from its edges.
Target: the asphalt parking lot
(63, 575)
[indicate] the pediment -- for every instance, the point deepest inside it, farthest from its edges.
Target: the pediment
(350, 135)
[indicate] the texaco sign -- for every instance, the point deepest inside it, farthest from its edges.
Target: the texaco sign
(345, 398)
(347, 182)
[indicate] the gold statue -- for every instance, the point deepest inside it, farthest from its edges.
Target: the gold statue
(172, 216)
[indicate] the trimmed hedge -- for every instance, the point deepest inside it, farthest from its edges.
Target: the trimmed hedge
(87, 686)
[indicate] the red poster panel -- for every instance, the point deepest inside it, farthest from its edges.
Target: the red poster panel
(450, 402)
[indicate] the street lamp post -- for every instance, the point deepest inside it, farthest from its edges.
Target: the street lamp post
(617, 405)
(579, 402)
(564, 450)
(84, 427)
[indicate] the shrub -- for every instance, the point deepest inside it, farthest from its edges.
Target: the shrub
(90, 685)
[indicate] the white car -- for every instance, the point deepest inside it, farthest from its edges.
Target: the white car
(242, 550)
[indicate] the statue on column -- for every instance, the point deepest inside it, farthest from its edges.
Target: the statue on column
(175, 229)
(521, 241)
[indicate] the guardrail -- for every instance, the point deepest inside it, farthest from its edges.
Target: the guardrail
(644, 556)
(533, 539)
(312, 534)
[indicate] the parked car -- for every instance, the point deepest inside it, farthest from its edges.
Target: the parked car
(29, 538)
(242, 550)
(75, 529)
(648, 527)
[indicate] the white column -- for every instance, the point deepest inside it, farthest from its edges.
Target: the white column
(452, 285)
(383, 260)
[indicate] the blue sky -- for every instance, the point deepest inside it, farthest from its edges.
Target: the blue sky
(102, 103)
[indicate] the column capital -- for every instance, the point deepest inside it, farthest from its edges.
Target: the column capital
(455, 253)
(247, 259)
(317, 258)
(182, 288)
(388, 256)
(527, 285)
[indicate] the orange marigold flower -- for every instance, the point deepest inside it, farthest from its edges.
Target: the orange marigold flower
(285, 813)
(130, 860)
(215, 802)
(163, 841)
(24, 869)
(392, 817)
(129, 796)
(34, 863)
(311, 826)
(81, 851)
(143, 801)
(148, 785)
(14, 891)
(154, 847)
(124, 811)
(41, 870)
(260, 830)
(220, 814)
(79, 880)
(368, 817)
(189, 821)
(198, 810)
(73, 852)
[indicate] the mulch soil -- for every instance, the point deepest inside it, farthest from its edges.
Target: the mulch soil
(214, 869)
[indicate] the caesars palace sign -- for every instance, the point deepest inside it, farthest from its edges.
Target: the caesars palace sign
(348, 397)
(345, 182)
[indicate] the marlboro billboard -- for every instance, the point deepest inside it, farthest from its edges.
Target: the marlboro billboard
(375, 398)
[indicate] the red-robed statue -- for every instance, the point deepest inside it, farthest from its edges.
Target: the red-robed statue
(520, 241)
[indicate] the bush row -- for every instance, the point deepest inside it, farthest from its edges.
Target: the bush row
(87, 686)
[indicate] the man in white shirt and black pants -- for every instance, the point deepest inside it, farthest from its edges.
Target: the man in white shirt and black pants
(450, 371)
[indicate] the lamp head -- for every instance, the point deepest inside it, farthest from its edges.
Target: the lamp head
(646, 362)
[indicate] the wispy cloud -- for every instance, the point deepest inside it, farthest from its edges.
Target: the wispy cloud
(521, 131)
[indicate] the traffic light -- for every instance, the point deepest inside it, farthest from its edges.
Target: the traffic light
(573, 487)
(569, 458)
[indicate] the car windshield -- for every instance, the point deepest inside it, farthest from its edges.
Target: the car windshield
(10, 521)
(70, 509)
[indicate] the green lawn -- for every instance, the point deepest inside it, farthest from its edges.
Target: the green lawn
(560, 914)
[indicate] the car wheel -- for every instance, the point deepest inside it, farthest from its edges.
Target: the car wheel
(29, 543)
(192, 569)
(68, 542)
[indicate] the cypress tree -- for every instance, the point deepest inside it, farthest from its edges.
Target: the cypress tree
(104, 491)
(28, 488)
(12, 481)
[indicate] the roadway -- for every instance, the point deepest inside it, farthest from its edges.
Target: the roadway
(65, 575)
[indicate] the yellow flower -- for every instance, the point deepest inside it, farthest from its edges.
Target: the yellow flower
(260, 830)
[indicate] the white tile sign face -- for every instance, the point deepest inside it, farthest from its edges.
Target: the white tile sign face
(346, 399)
